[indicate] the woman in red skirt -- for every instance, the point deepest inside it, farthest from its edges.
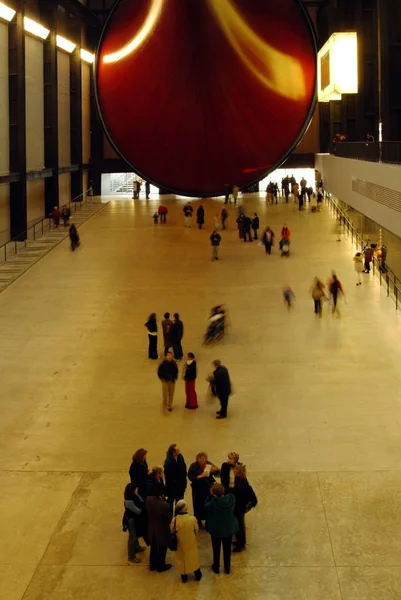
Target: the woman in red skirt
(190, 377)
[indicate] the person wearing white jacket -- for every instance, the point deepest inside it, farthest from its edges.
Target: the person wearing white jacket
(358, 264)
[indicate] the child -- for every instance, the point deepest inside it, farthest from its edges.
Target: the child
(289, 296)
(155, 218)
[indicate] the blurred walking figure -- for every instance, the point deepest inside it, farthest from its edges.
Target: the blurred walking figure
(338, 229)
(235, 192)
(217, 222)
(224, 217)
(245, 500)
(189, 375)
(215, 240)
(147, 189)
(255, 225)
(288, 296)
(175, 471)
(162, 211)
(317, 293)
(186, 528)
(335, 289)
(151, 326)
(358, 264)
(168, 374)
(74, 237)
(65, 215)
(55, 215)
(188, 210)
(200, 216)
(222, 385)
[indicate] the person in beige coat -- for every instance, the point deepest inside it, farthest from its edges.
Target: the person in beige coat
(186, 528)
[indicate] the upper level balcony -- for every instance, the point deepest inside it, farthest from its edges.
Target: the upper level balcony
(386, 152)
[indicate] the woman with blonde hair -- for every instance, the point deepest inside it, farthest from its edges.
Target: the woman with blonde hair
(245, 500)
(227, 477)
(186, 557)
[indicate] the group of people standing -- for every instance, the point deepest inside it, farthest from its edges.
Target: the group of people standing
(173, 332)
(155, 510)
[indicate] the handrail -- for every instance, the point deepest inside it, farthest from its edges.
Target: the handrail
(387, 276)
(24, 235)
(384, 152)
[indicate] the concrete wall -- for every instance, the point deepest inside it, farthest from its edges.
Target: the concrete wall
(63, 95)
(35, 199)
(4, 136)
(35, 142)
(86, 112)
(64, 188)
(373, 189)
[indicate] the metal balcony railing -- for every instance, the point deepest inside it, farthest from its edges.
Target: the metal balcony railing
(386, 152)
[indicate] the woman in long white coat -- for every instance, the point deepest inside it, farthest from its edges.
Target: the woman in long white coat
(186, 528)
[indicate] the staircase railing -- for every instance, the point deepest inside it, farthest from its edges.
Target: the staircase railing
(39, 228)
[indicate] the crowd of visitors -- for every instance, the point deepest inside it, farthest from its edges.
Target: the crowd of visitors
(155, 510)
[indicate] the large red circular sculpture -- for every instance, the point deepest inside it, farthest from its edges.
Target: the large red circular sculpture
(199, 94)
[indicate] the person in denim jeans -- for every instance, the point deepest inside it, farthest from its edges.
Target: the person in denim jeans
(133, 521)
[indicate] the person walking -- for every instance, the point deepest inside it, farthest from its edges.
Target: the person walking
(216, 223)
(227, 477)
(147, 189)
(168, 374)
(317, 293)
(221, 524)
(215, 240)
(159, 517)
(288, 296)
(55, 215)
(224, 217)
(188, 210)
(201, 475)
(285, 232)
(368, 254)
(177, 333)
(235, 192)
(139, 471)
(268, 240)
(133, 521)
(255, 226)
(74, 237)
(200, 216)
(222, 384)
(65, 215)
(175, 472)
(162, 212)
(358, 265)
(245, 500)
(167, 325)
(185, 528)
(247, 229)
(335, 289)
(383, 259)
(136, 189)
(189, 376)
(151, 326)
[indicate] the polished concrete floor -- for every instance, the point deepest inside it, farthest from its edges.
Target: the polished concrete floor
(315, 416)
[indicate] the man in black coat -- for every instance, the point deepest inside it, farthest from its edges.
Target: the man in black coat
(247, 228)
(222, 384)
(175, 472)
(176, 335)
(159, 517)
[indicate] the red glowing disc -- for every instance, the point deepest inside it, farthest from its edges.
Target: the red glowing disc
(196, 95)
